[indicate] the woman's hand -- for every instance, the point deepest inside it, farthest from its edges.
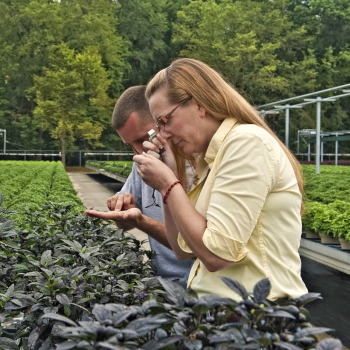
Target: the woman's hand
(161, 149)
(154, 172)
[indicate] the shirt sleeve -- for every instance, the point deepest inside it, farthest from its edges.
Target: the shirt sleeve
(182, 244)
(245, 175)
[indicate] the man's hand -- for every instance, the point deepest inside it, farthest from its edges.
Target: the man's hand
(121, 201)
(126, 219)
(123, 211)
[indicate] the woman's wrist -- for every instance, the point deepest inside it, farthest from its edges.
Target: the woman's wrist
(165, 185)
(167, 193)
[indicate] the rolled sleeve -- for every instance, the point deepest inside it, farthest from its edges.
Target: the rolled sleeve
(183, 245)
(224, 246)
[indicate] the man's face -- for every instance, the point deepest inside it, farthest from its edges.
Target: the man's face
(134, 132)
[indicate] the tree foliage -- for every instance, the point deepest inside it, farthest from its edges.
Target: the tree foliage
(30, 30)
(269, 50)
(143, 24)
(71, 98)
(261, 57)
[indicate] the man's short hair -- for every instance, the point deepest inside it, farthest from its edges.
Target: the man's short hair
(131, 100)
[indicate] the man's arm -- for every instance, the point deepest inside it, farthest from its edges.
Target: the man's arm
(155, 229)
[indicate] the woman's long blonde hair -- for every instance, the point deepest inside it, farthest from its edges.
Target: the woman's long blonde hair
(189, 77)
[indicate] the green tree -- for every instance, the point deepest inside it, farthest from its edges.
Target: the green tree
(144, 25)
(71, 97)
(327, 23)
(334, 24)
(95, 23)
(28, 31)
(22, 54)
(261, 57)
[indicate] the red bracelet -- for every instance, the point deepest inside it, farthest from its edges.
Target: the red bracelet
(169, 189)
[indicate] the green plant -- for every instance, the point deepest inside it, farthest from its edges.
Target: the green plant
(65, 263)
(189, 322)
(332, 219)
(78, 283)
(313, 217)
(122, 168)
(347, 235)
(327, 200)
(32, 185)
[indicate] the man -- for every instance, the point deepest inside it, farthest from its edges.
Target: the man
(137, 205)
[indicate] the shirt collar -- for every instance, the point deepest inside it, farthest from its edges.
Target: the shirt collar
(206, 160)
(218, 139)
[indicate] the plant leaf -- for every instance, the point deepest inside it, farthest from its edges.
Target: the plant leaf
(175, 293)
(67, 345)
(312, 330)
(230, 335)
(262, 290)
(308, 298)
(85, 255)
(122, 316)
(63, 299)
(7, 343)
(211, 300)
(109, 346)
(10, 290)
(46, 271)
(58, 317)
(81, 307)
(76, 246)
(142, 326)
(236, 286)
(193, 344)
(32, 339)
(280, 313)
(75, 272)
(329, 344)
(162, 343)
(46, 258)
(287, 346)
(102, 314)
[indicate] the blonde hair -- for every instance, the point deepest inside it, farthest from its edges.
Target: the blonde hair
(189, 77)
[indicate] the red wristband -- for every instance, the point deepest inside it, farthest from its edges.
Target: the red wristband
(169, 189)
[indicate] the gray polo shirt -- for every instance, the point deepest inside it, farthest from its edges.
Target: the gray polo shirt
(165, 261)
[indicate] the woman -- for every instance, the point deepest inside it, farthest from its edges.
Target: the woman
(242, 217)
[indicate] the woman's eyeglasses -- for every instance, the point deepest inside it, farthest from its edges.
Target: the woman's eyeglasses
(162, 121)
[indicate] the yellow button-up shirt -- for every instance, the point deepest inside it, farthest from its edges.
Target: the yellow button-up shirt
(246, 188)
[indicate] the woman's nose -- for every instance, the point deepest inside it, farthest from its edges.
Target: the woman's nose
(165, 134)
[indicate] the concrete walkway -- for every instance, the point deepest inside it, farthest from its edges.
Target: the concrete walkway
(94, 195)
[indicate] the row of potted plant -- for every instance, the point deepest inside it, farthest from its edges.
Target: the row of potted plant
(34, 183)
(122, 168)
(327, 206)
(331, 219)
